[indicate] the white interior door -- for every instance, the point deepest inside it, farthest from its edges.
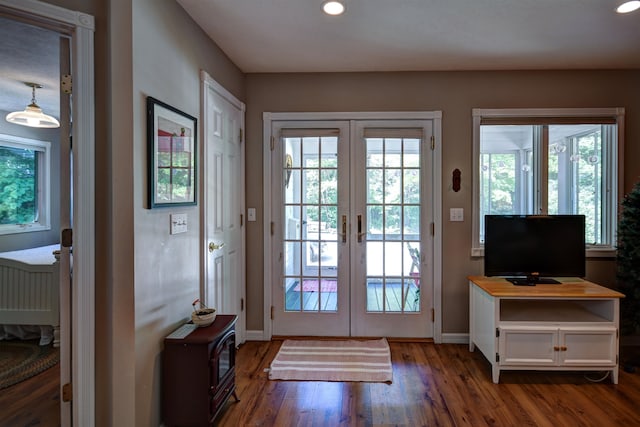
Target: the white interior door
(351, 204)
(223, 191)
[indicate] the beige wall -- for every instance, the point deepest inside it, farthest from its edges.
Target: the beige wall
(145, 278)
(455, 94)
(153, 48)
(168, 53)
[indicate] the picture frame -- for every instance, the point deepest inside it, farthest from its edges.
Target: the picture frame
(172, 156)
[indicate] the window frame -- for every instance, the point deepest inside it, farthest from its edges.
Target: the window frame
(613, 167)
(43, 196)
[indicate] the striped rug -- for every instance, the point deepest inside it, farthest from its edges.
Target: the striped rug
(339, 360)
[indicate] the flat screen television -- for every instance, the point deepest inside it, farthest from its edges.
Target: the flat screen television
(531, 249)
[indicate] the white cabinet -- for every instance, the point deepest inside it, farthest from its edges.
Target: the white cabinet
(557, 345)
(571, 326)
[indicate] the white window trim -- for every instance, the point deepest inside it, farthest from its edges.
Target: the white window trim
(43, 197)
(615, 192)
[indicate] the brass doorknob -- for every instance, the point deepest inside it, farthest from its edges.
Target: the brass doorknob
(213, 246)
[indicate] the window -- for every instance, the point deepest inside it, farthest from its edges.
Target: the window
(24, 185)
(548, 161)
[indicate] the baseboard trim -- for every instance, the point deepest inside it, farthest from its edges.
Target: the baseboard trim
(455, 338)
(255, 336)
(258, 335)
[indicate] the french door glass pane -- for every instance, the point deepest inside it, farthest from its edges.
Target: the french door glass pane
(310, 169)
(393, 224)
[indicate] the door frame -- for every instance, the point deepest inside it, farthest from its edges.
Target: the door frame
(80, 373)
(269, 117)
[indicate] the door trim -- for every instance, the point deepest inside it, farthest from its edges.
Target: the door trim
(82, 28)
(269, 117)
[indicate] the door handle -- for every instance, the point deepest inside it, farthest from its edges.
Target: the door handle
(360, 233)
(344, 229)
(213, 246)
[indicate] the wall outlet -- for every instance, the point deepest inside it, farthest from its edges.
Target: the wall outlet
(178, 223)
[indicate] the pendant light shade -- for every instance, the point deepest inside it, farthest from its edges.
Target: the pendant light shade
(333, 7)
(628, 6)
(33, 116)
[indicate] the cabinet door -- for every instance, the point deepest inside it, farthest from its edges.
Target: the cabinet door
(592, 346)
(528, 345)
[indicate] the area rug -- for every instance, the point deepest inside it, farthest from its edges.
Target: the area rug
(335, 360)
(20, 360)
(312, 286)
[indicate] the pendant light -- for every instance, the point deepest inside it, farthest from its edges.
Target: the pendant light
(628, 6)
(333, 7)
(33, 116)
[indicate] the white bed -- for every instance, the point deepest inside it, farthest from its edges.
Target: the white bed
(30, 294)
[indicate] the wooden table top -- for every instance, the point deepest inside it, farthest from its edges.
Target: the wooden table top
(568, 288)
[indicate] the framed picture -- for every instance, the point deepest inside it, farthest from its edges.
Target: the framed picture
(172, 155)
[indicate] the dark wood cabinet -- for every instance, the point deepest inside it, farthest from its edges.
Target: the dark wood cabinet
(198, 374)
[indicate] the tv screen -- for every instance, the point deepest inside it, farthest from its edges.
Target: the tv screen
(530, 249)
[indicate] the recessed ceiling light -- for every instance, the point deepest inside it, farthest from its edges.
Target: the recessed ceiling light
(333, 7)
(629, 6)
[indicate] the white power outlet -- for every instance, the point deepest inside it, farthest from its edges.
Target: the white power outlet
(178, 223)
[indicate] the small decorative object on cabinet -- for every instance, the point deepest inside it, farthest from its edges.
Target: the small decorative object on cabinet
(198, 373)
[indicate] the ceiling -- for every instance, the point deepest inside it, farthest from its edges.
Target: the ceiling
(29, 54)
(420, 35)
(275, 36)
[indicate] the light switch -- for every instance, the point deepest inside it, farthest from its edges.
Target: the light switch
(178, 223)
(456, 214)
(251, 214)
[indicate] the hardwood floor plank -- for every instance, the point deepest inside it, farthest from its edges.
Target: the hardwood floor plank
(433, 385)
(33, 402)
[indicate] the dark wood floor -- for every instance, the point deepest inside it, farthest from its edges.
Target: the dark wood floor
(433, 385)
(33, 402)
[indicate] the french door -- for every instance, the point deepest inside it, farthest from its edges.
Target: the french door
(351, 204)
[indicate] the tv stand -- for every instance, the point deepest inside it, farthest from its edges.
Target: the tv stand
(572, 326)
(532, 281)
